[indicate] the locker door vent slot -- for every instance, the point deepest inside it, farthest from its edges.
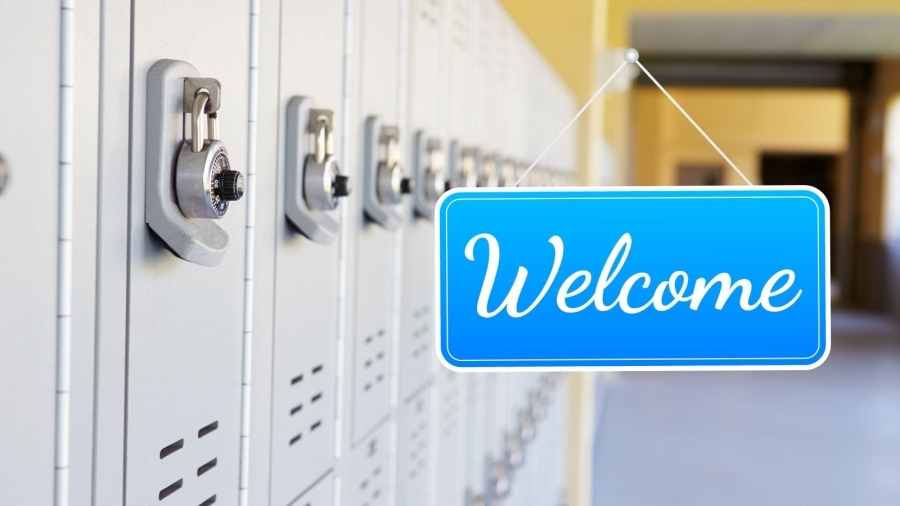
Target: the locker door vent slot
(206, 467)
(295, 409)
(315, 425)
(209, 428)
(209, 502)
(316, 397)
(296, 379)
(172, 448)
(317, 369)
(171, 489)
(421, 335)
(295, 439)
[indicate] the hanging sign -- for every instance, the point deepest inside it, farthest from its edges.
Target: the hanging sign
(633, 278)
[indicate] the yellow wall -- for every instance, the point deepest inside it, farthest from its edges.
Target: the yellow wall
(743, 122)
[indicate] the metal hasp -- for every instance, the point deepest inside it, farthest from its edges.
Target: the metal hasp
(385, 182)
(313, 182)
(194, 239)
(431, 179)
(4, 175)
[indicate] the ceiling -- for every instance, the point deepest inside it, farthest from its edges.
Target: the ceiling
(856, 37)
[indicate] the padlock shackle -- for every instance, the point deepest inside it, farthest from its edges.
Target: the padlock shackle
(200, 100)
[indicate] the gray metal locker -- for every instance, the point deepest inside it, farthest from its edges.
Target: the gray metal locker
(185, 319)
(427, 148)
(373, 216)
(29, 147)
(371, 219)
(300, 130)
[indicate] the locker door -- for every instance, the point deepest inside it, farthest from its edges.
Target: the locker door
(185, 320)
(28, 245)
(448, 412)
(372, 218)
(427, 146)
(310, 72)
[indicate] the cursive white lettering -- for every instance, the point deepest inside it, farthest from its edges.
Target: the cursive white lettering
(676, 285)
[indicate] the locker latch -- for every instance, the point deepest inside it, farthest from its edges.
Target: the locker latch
(183, 200)
(463, 165)
(489, 174)
(4, 175)
(313, 181)
(431, 179)
(385, 181)
(507, 175)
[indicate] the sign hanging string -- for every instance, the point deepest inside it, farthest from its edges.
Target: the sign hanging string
(631, 56)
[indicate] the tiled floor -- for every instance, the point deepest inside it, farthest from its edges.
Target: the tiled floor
(830, 436)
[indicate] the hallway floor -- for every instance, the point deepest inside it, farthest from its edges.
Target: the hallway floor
(830, 436)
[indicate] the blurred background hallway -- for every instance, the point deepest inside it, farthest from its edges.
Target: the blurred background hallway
(827, 437)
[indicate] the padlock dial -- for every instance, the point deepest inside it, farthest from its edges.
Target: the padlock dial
(204, 181)
(225, 184)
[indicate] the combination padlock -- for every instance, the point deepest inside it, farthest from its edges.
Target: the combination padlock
(527, 431)
(4, 175)
(436, 182)
(489, 173)
(507, 175)
(515, 451)
(391, 183)
(204, 180)
(467, 175)
(499, 480)
(323, 183)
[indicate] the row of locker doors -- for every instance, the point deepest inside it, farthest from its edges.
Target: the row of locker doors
(217, 249)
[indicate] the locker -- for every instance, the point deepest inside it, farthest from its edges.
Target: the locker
(373, 216)
(375, 132)
(427, 155)
(28, 221)
(184, 369)
(301, 128)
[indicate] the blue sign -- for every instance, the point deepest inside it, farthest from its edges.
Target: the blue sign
(633, 278)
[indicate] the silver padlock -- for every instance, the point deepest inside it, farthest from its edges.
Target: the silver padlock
(204, 180)
(436, 182)
(468, 168)
(537, 406)
(392, 183)
(515, 451)
(507, 176)
(527, 430)
(323, 183)
(4, 175)
(499, 480)
(490, 176)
